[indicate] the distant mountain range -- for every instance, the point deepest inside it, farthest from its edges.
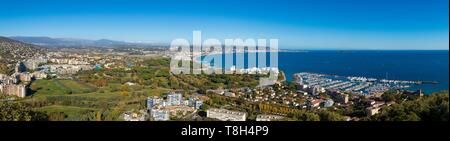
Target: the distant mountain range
(71, 42)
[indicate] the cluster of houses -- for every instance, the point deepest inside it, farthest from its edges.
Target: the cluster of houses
(135, 116)
(163, 108)
(229, 115)
(65, 69)
(160, 109)
(37, 68)
(15, 84)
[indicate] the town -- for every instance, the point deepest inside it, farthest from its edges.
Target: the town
(135, 84)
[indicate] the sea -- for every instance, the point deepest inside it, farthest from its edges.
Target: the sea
(411, 65)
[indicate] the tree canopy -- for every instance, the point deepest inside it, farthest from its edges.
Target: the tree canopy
(434, 107)
(19, 112)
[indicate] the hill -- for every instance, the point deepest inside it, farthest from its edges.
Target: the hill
(76, 43)
(66, 42)
(12, 51)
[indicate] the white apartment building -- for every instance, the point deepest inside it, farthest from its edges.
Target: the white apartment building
(226, 115)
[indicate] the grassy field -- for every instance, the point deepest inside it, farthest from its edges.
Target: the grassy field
(71, 112)
(59, 87)
(48, 87)
(86, 98)
(79, 101)
(66, 109)
(75, 87)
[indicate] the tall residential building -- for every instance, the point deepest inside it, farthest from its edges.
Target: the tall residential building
(149, 103)
(174, 99)
(11, 89)
(194, 102)
(160, 115)
(191, 102)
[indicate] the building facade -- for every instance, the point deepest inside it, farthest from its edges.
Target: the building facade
(226, 115)
(160, 115)
(268, 117)
(174, 99)
(14, 90)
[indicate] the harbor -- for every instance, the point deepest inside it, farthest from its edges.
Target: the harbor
(354, 84)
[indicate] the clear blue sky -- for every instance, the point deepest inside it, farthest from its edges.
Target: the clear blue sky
(311, 24)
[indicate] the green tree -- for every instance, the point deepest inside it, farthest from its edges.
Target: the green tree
(11, 111)
(434, 107)
(330, 116)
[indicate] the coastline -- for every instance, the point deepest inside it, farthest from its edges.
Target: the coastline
(412, 68)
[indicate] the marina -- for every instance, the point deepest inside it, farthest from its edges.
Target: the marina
(352, 84)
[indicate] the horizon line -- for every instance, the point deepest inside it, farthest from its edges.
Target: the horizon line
(286, 47)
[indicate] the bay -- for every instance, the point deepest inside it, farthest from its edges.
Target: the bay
(417, 65)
